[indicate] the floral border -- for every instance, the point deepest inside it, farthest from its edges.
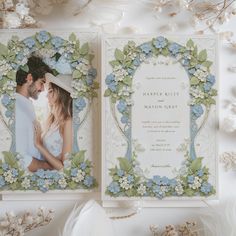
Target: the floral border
(192, 178)
(77, 169)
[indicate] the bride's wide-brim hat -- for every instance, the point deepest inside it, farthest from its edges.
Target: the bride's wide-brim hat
(61, 80)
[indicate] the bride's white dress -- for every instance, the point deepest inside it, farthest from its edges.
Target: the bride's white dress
(53, 141)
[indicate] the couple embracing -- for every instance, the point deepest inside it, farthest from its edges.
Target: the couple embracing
(43, 147)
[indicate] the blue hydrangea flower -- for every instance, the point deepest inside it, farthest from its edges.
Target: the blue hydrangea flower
(130, 71)
(89, 80)
(211, 79)
(156, 179)
(20, 56)
(8, 113)
(29, 42)
(114, 187)
(33, 178)
(2, 182)
(6, 100)
(200, 173)
(174, 48)
(40, 182)
(40, 173)
(190, 179)
(130, 178)
(92, 72)
(5, 166)
(43, 37)
(88, 181)
(44, 189)
(120, 172)
(83, 166)
(49, 174)
(158, 192)
(207, 87)
(146, 48)
(57, 176)
(149, 183)
(173, 183)
(197, 110)
(136, 61)
(74, 172)
(57, 42)
(124, 119)
(191, 71)
(14, 172)
(185, 62)
(80, 103)
(165, 180)
(160, 42)
(121, 106)
(111, 82)
(206, 188)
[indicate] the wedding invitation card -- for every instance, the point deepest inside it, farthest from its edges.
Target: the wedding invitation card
(159, 117)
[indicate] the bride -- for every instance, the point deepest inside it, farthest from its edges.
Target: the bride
(55, 140)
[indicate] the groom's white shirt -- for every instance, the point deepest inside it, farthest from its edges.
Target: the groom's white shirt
(25, 116)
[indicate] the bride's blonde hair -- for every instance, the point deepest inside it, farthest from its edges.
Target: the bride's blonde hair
(61, 110)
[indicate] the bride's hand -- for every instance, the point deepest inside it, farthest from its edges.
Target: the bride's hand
(37, 134)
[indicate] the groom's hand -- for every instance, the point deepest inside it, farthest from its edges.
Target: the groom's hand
(37, 164)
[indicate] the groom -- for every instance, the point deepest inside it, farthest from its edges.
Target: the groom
(29, 85)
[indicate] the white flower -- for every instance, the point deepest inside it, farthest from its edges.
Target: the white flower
(80, 176)
(25, 183)
(8, 4)
(62, 182)
(119, 73)
(124, 183)
(12, 20)
(141, 189)
(196, 183)
(179, 189)
(4, 67)
(9, 177)
(196, 93)
(22, 10)
(125, 91)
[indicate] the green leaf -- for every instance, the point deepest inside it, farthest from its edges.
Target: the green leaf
(3, 50)
(195, 51)
(127, 80)
(72, 37)
(95, 85)
(84, 49)
(202, 55)
(114, 63)
(25, 68)
(11, 75)
(119, 55)
(194, 80)
(107, 93)
(190, 43)
(207, 64)
(72, 185)
(79, 157)
(189, 192)
(196, 164)
(76, 74)
(165, 52)
(125, 164)
(10, 159)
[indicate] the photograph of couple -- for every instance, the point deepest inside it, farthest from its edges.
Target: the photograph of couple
(43, 146)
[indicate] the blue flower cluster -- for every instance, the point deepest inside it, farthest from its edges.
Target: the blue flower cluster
(206, 188)
(80, 103)
(2, 182)
(43, 37)
(174, 49)
(111, 82)
(114, 187)
(146, 48)
(196, 111)
(6, 100)
(92, 73)
(122, 106)
(210, 81)
(88, 181)
(160, 42)
(57, 42)
(29, 42)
